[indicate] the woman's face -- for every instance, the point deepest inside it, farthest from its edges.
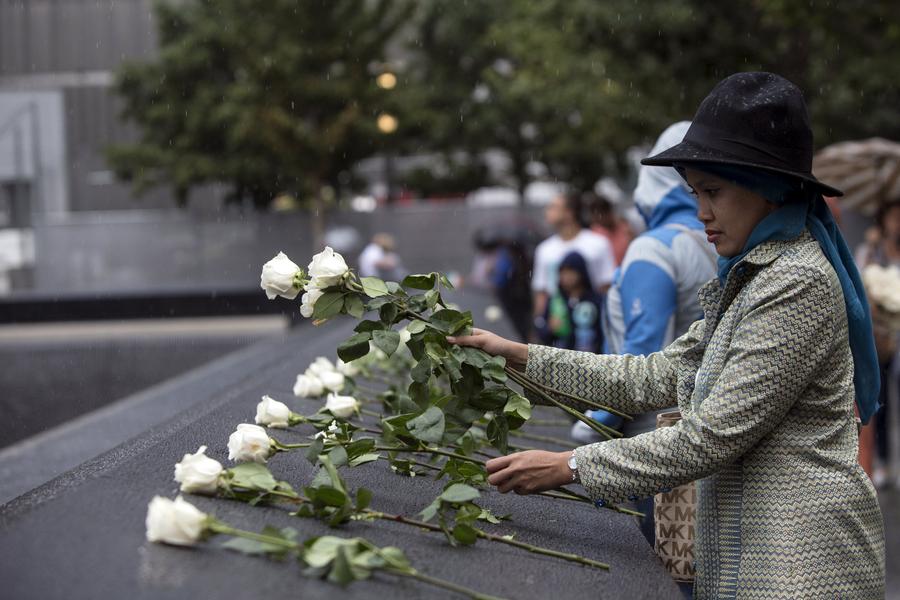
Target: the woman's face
(728, 212)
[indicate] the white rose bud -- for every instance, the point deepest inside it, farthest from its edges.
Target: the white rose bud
(278, 277)
(249, 443)
(332, 380)
(308, 301)
(198, 473)
(272, 413)
(405, 335)
(348, 369)
(319, 366)
(308, 386)
(327, 268)
(342, 407)
(178, 522)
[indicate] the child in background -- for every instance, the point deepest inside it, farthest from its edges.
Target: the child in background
(573, 314)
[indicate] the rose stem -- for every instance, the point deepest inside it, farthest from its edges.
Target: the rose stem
(220, 527)
(442, 583)
(558, 392)
(600, 428)
(493, 538)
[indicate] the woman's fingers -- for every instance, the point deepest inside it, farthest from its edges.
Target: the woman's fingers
(476, 339)
(496, 464)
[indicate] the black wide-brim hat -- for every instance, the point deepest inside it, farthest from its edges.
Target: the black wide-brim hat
(754, 120)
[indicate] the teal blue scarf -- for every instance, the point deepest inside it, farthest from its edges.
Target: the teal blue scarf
(799, 209)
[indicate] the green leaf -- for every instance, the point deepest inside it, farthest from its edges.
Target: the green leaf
(419, 393)
(419, 282)
(330, 496)
(386, 341)
(253, 546)
(416, 326)
(320, 551)
(328, 305)
(445, 282)
(475, 357)
(458, 493)
(394, 557)
(363, 498)
(421, 373)
(364, 458)
(429, 426)
(338, 456)
(388, 314)
(517, 410)
(431, 510)
(359, 447)
(314, 450)
(465, 534)
(432, 297)
(342, 573)
(252, 476)
(377, 303)
(498, 433)
(368, 326)
(373, 287)
(494, 369)
(354, 306)
(394, 288)
(355, 347)
(451, 321)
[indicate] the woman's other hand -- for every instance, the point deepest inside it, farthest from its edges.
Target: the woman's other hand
(530, 471)
(515, 353)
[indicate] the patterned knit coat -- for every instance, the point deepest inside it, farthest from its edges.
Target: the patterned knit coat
(764, 383)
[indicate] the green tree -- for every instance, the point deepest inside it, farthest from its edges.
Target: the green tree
(266, 96)
(574, 83)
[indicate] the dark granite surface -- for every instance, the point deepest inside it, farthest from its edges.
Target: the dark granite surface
(82, 534)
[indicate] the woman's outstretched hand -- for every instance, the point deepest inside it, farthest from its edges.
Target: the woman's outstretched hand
(514, 352)
(530, 471)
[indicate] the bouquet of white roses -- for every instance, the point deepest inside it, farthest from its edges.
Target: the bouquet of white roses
(451, 386)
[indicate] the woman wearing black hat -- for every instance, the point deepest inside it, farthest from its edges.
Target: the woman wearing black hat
(766, 381)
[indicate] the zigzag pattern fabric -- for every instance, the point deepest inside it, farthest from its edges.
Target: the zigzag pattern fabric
(765, 387)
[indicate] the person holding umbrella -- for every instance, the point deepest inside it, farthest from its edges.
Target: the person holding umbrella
(765, 381)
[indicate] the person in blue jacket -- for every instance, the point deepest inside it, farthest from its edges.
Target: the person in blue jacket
(573, 316)
(653, 299)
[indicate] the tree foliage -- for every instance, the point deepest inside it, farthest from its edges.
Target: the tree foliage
(265, 95)
(274, 95)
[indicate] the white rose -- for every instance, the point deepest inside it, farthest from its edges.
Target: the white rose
(178, 522)
(308, 386)
(332, 380)
(249, 443)
(327, 268)
(308, 301)
(342, 407)
(348, 369)
(278, 277)
(272, 413)
(198, 473)
(319, 366)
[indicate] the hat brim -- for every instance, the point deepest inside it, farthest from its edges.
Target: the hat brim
(688, 152)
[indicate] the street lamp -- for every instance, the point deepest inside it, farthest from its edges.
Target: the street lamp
(387, 123)
(386, 81)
